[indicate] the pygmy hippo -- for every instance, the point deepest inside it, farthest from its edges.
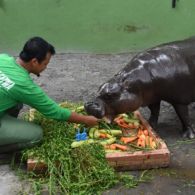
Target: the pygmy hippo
(165, 72)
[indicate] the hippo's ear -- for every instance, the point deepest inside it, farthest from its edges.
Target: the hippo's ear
(109, 90)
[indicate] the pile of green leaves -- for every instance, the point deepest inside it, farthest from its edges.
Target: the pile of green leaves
(83, 170)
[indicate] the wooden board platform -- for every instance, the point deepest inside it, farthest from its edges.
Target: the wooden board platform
(123, 161)
(141, 159)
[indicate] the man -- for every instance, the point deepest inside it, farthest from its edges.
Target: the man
(17, 88)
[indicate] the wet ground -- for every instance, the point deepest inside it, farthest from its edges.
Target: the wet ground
(76, 77)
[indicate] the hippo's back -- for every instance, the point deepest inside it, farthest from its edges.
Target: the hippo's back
(168, 69)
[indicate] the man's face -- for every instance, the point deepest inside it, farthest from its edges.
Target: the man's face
(38, 67)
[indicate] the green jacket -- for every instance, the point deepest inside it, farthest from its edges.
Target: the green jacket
(16, 86)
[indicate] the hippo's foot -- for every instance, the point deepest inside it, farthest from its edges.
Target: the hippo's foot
(189, 133)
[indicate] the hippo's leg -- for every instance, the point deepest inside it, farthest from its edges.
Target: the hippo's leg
(154, 109)
(183, 114)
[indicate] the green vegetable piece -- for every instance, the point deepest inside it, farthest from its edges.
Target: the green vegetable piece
(80, 108)
(124, 115)
(76, 144)
(112, 132)
(108, 141)
(131, 120)
(96, 134)
(116, 132)
(91, 132)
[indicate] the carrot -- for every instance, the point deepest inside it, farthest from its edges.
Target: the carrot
(142, 136)
(121, 147)
(139, 133)
(106, 146)
(145, 132)
(112, 147)
(102, 135)
(131, 126)
(117, 119)
(141, 127)
(123, 124)
(141, 142)
(128, 139)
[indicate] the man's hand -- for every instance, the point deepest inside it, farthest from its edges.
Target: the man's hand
(91, 121)
(86, 119)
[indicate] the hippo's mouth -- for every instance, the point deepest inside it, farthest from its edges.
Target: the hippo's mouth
(95, 108)
(100, 109)
(108, 118)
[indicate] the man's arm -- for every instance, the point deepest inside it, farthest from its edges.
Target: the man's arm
(79, 118)
(34, 96)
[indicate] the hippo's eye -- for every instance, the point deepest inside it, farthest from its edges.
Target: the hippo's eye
(110, 96)
(110, 91)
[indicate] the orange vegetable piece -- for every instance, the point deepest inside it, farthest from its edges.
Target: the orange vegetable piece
(117, 119)
(146, 132)
(128, 139)
(131, 125)
(112, 147)
(123, 124)
(106, 147)
(141, 143)
(139, 133)
(121, 147)
(102, 135)
(142, 136)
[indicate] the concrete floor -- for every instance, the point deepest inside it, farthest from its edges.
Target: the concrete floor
(76, 77)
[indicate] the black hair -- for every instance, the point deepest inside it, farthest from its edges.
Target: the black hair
(36, 47)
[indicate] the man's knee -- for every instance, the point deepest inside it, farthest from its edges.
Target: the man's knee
(34, 140)
(38, 135)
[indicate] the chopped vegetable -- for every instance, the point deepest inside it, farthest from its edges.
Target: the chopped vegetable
(108, 141)
(121, 147)
(127, 140)
(76, 144)
(131, 131)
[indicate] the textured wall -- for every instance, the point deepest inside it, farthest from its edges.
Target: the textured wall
(101, 26)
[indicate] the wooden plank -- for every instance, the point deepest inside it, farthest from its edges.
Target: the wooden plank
(141, 159)
(36, 166)
(128, 160)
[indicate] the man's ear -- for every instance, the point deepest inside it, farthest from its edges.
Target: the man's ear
(34, 62)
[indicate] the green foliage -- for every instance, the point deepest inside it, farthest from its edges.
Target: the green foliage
(83, 170)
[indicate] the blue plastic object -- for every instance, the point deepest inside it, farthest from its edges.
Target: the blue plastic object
(78, 135)
(81, 136)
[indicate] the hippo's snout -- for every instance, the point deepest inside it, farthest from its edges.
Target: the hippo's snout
(95, 108)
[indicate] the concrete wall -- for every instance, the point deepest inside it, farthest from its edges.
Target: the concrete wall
(101, 26)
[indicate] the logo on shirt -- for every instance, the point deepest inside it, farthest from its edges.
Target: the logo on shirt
(5, 82)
